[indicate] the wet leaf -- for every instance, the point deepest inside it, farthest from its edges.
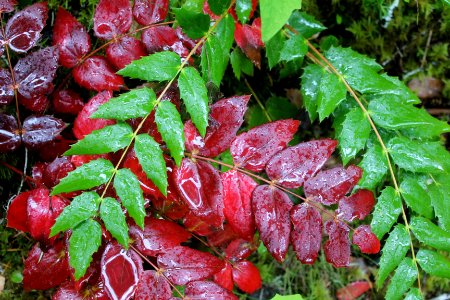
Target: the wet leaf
(353, 290)
(366, 241)
(433, 263)
(416, 196)
(247, 277)
(305, 24)
(294, 48)
(195, 24)
(243, 9)
(240, 64)
(149, 12)
(403, 279)
(111, 18)
(224, 277)
(330, 94)
(311, 78)
(275, 14)
(337, 248)
(38, 131)
(7, 5)
(114, 220)
(374, 164)
(273, 48)
(67, 102)
(440, 197)
(248, 38)
(153, 286)
(16, 215)
(207, 290)
(163, 38)
(6, 83)
(126, 50)
(214, 60)
(430, 234)
(359, 205)
(97, 75)
(386, 211)
(240, 249)
(9, 134)
(414, 294)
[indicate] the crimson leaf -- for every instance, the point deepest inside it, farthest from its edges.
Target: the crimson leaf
(97, 75)
(366, 240)
(207, 290)
(337, 248)
(359, 205)
(247, 277)
(111, 18)
(153, 286)
(149, 12)
(124, 51)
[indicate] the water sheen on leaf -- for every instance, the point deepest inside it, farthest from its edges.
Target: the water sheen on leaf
(112, 17)
(358, 205)
(386, 212)
(403, 279)
(149, 12)
(114, 220)
(38, 131)
(353, 290)
(247, 277)
(194, 23)
(305, 24)
(330, 93)
(207, 290)
(374, 164)
(416, 196)
(153, 286)
(430, 234)
(434, 263)
(366, 240)
(337, 248)
(97, 74)
(160, 66)
(124, 51)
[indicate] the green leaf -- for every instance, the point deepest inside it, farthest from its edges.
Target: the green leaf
(375, 167)
(331, 92)
(240, 63)
(255, 116)
(394, 250)
(273, 48)
(169, 124)
(213, 60)
(89, 175)
(160, 66)
(152, 161)
(414, 294)
(430, 234)
(218, 6)
(243, 9)
(311, 78)
(84, 242)
(274, 14)
(129, 191)
(401, 93)
(194, 24)
(80, 209)
(353, 134)
(305, 24)
(108, 139)
(225, 33)
(440, 199)
(294, 48)
(114, 219)
(403, 279)
(133, 104)
(416, 156)
(433, 263)
(280, 108)
(387, 210)
(288, 297)
(415, 195)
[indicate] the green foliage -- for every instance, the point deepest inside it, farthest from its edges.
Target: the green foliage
(416, 196)
(243, 9)
(294, 48)
(305, 24)
(387, 210)
(404, 277)
(375, 162)
(218, 6)
(240, 63)
(434, 263)
(194, 22)
(430, 234)
(330, 93)
(114, 220)
(274, 14)
(274, 47)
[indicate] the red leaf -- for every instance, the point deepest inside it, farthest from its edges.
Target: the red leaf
(207, 290)
(39, 131)
(295, 165)
(271, 208)
(226, 117)
(148, 12)
(247, 277)
(192, 223)
(337, 248)
(147, 186)
(237, 193)
(359, 205)
(67, 292)
(158, 236)
(6, 87)
(56, 170)
(353, 290)
(67, 102)
(124, 51)
(248, 38)
(9, 134)
(161, 38)
(121, 271)
(221, 237)
(224, 277)
(112, 17)
(153, 286)
(45, 269)
(306, 236)
(23, 30)
(200, 186)
(97, 75)
(54, 149)
(71, 38)
(37, 103)
(366, 240)
(182, 265)
(17, 212)
(83, 124)
(170, 207)
(329, 186)
(240, 249)
(7, 5)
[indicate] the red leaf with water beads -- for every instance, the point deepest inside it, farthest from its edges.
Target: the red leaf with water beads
(359, 205)
(271, 208)
(248, 38)
(207, 290)
(39, 131)
(7, 5)
(153, 286)
(124, 51)
(306, 235)
(329, 186)
(253, 149)
(221, 237)
(200, 186)
(226, 117)
(112, 17)
(247, 277)
(9, 133)
(36, 103)
(6, 87)
(295, 165)
(337, 248)
(147, 12)
(182, 265)
(97, 75)
(71, 38)
(16, 216)
(23, 30)
(67, 102)
(366, 240)
(163, 38)
(67, 292)
(353, 290)
(237, 196)
(194, 224)
(240, 249)
(224, 277)
(121, 271)
(83, 124)
(45, 269)
(56, 170)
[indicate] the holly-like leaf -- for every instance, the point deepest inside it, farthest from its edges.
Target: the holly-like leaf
(366, 240)
(375, 166)
(275, 15)
(224, 32)
(440, 197)
(218, 6)
(306, 235)
(207, 290)
(124, 51)
(114, 220)
(274, 47)
(84, 242)
(404, 277)
(330, 94)
(9, 134)
(337, 248)
(111, 18)
(430, 234)
(89, 175)
(386, 211)
(153, 286)
(294, 48)
(433, 263)
(305, 24)
(214, 60)
(414, 294)
(358, 205)
(127, 188)
(311, 78)
(182, 265)
(416, 196)
(247, 277)
(96, 74)
(353, 290)
(240, 63)
(149, 12)
(80, 209)
(271, 209)
(195, 24)
(160, 66)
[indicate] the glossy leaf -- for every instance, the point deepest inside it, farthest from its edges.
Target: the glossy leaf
(219, 6)
(114, 220)
(430, 234)
(9, 134)
(240, 63)
(353, 290)
(16, 216)
(6, 92)
(275, 15)
(153, 286)
(207, 290)
(416, 196)
(330, 94)
(243, 9)
(305, 24)
(224, 33)
(337, 248)
(163, 38)
(403, 279)
(149, 12)
(195, 24)
(294, 48)
(311, 79)
(414, 294)
(67, 102)
(358, 205)
(366, 241)
(7, 5)
(274, 47)
(124, 51)
(375, 166)
(97, 75)
(214, 60)
(440, 197)
(111, 18)
(41, 130)
(248, 38)
(224, 277)
(240, 249)
(434, 263)
(386, 211)
(247, 277)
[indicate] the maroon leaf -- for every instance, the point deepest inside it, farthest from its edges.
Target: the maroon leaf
(295, 165)
(67, 292)
(366, 240)
(182, 265)
(9, 133)
(16, 216)
(353, 290)
(224, 277)
(240, 249)
(207, 290)
(200, 227)
(112, 17)
(23, 30)
(329, 186)
(247, 277)
(306, 236)
(248, 38)
(148, 12)
(6, 87)
(271, 208)
(45, 269)
(7, 5)
(337, 248)
(153, 286)
(121, 271)
(226, 117)
(38, 131)
(200, 186)
(83, 124)
(37, 103)
(71, 38)
(67, 102)
(124, 51)
(237, 193)
(161, 38)
(253, 149)
(221, 237)
(56, 170)
(359, 205)
(97, 75)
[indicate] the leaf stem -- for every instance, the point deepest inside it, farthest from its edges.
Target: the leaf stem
(257, 100)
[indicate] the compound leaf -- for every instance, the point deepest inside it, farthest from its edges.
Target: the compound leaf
(374, 164)
(386, 211)
(114, 220)
(331, 92)
(416, 196)
(404, 277)
(430, 234)
(433, 263)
